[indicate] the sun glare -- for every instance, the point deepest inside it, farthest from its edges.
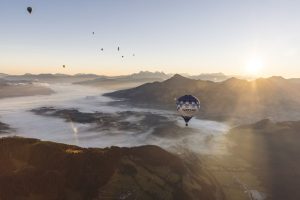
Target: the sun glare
(254, 66)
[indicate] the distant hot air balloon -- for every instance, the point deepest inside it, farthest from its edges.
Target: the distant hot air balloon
(93, 33)
(29, 10)
(187, 106)
(64, 66)
(122, 56)
(118, 48)
(102, 49)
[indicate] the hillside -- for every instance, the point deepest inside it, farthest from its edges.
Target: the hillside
(234, 99)
(271, 152)
(262, 161)
(32, 169)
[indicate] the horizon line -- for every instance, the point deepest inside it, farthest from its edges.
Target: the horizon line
(170, 74)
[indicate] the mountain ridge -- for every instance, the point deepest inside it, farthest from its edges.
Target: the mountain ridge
(31, 168)
(230, 99)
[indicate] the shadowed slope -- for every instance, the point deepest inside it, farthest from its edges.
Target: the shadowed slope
(31, 169)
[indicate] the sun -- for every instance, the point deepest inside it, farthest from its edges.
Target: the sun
(254, 66)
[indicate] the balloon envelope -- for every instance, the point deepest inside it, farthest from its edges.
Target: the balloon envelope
(187, 106)
(29, 9)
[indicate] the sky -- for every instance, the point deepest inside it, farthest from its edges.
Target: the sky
(236, 37)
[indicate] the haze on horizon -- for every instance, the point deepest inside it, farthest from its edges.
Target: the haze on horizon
(260, 38)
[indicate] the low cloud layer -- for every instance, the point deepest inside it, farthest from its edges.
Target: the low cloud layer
(121, 125)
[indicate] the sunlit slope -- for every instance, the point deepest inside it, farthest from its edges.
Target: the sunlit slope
(31, 169)
(235, 99)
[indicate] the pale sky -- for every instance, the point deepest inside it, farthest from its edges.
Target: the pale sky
(260, 37)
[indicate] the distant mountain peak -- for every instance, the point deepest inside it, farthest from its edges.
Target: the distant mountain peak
(279, 78)
(272, 78)
(148, 74)
(231, 79)
(234, 80)
(178, 79)
(178, 76)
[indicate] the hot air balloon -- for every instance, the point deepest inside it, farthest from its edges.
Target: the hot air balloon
(29, 10)
(118, 48)
(64, 66)
(187, 106)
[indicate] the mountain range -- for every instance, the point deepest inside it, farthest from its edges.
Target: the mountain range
(96, 80)
(50, 78)
(126, 81)
(233, 99)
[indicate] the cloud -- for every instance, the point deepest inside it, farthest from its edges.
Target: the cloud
(134, 128)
